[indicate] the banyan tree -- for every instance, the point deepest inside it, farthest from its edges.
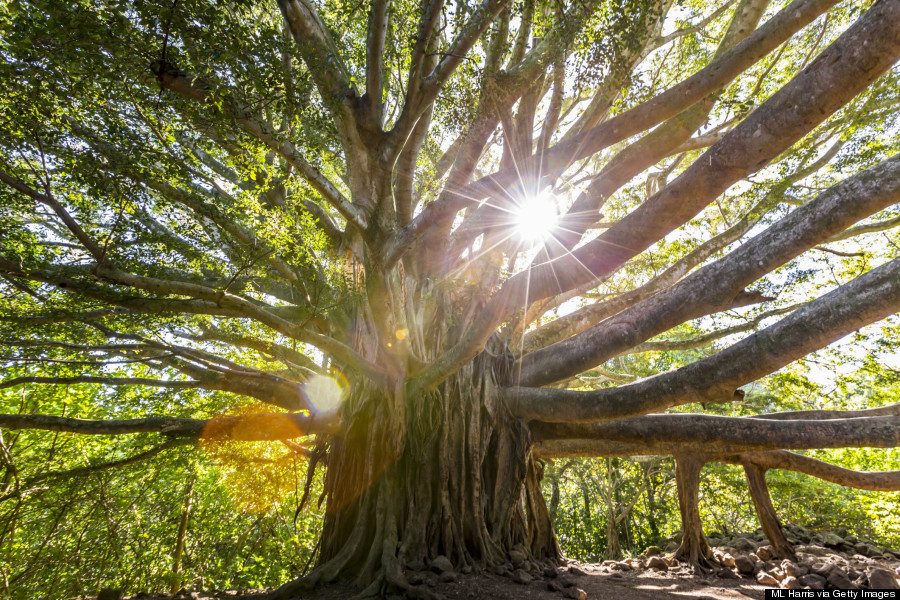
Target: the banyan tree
(421, 233)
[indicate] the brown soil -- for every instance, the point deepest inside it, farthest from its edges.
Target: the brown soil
(597, 583)
(607, 581)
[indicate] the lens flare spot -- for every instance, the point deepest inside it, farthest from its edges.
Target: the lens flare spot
(401, 334)
(535, 218)
(324, 393)
(258, 469)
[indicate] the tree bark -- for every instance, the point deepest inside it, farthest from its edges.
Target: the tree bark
(768, 518)
(694, 547)
(181, 537)
(411, 478)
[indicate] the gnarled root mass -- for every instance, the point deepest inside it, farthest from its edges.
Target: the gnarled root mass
(409, 480)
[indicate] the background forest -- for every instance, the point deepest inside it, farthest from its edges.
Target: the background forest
(86, 521)
(78, 513)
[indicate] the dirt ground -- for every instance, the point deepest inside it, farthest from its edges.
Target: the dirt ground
(650, 578)
(596, 582)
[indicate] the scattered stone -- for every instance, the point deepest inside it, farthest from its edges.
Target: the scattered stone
(839, 579)
(441, 564)
(813, 581)
(881, 579)
(727, 560)
(868, 550)
(671, 547)
(765, 553)
(791, 583)
(573, 570)
(109, 594)
(832, 540)
(792, 569)
(745, 565)
(517, 558)
(764, 578)
(567, 581)
(467, 569)
(652, 551)
(522, 577)
(743, 544)
(657, 563)
(447, 577)
(550, 572)
(726, 574)
(575, 593)
(621, 566)
(816, 550)
(555, 586)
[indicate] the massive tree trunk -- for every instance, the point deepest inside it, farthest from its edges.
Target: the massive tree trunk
(447, 472)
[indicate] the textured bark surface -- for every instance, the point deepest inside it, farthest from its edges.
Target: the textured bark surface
(694, 547)
(446, 474)
(768, 518)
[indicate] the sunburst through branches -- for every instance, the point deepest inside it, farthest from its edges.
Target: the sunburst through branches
(535, 217)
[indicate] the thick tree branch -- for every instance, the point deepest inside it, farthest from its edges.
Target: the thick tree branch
(422, 92)
(583, 318)
(204, 301)
(250, 427)
(864, 300)
(878, 481)
(715, 435)
(375, 36)
(699, 293)
(324, 62)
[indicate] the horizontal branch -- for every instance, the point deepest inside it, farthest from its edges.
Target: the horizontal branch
(865, 228)
(800, 415)
(587, 316)
(112, 381)
(204, 300)
(707, 338)
(717, 435)
(878, 481)
(114, 464)
(881, 481)
(866, 299)
(247, 428)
